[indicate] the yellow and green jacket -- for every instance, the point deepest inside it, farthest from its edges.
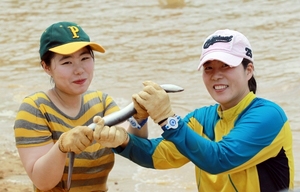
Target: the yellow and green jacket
(40, 122)
(245, 148)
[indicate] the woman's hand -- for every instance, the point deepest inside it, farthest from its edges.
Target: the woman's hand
(110, 137)
(75, 140)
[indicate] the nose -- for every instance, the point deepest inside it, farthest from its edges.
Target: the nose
(78, 68)
(216, 75)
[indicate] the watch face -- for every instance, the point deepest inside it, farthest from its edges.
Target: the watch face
(134, 123)
(172, 122)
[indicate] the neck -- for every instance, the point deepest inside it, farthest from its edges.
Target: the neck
(65, 100)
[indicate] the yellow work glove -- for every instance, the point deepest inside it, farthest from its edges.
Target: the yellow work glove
(110, 137)
(75, 140)
(141, 112)
(155, 100)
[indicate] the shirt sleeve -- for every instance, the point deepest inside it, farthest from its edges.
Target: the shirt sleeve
(257, 135)
(152, 153)
(30, 126)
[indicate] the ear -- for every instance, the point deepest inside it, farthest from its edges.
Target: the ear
(46, 68)
(250, 70)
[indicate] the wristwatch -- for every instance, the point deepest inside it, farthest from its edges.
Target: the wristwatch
(133, 122)
(172, 123)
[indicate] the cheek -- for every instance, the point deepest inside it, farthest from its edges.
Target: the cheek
(206, 81)
(241, 81)
(90, 66)
(205, 78)
(90, 69)
(59, 71)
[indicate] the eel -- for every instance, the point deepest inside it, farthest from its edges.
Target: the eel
(116, 118)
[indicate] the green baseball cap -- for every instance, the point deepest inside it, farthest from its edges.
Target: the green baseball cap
(66, 38)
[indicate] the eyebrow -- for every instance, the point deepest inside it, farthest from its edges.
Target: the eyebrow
(207, 62)
(64, 57)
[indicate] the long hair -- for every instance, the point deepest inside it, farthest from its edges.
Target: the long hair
(252, 82)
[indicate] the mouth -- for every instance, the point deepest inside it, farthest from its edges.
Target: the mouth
(79, 81)
(220, 87)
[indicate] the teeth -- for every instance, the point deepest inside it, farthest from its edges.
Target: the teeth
(217, 87)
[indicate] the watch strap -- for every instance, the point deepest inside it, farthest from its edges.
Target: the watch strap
(172, 123)
(133, 122)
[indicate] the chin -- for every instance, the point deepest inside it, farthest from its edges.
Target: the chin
(221, 100)
(81, 90)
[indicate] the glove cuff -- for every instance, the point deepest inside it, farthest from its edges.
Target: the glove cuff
(160, 119)
(60, 145)
(159, 123)
(126, 140)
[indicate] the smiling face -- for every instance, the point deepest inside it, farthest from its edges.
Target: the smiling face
(72, 73)
(226, 85)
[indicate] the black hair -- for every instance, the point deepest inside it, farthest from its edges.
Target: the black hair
(252, 82)
(47, 58)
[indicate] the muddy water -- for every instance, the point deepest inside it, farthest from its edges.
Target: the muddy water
(155, 40)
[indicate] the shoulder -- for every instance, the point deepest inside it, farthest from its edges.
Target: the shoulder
(37, 95)
(265, 106)
(36, 98)
(264, 111)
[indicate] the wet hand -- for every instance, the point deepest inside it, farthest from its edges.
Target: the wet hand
(110, 137)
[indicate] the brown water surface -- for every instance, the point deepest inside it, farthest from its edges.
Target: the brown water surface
(157, 40)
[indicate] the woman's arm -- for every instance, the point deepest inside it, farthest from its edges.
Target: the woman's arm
(44, 165)
(256, 137)
(143, 132)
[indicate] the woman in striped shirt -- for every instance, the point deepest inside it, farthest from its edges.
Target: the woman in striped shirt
(49, 124)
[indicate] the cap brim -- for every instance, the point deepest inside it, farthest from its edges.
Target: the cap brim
(227, 58)
(70, 48)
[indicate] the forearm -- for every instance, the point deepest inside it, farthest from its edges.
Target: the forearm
(152, 153)
(142, 132)
(47, 170)
(139, 150)
(195, 148)
(224, 156)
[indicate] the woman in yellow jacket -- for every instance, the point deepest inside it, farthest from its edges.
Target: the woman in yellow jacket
(242, 143)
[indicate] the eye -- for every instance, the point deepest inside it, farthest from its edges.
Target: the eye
(66, 62)
(225, 66)
(207, 68)
(85, 58)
